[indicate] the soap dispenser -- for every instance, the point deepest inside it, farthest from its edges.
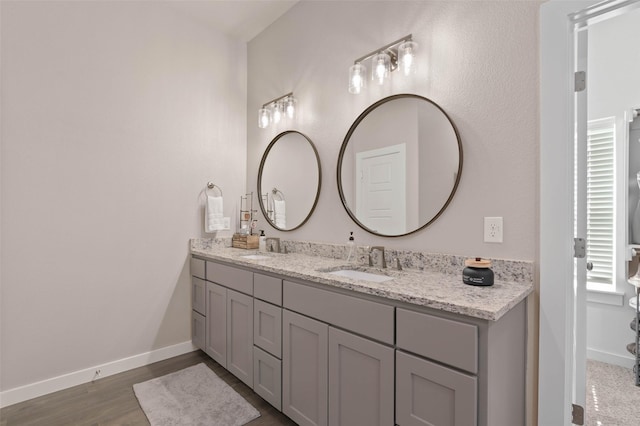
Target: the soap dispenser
(351, 245)
(262, 241)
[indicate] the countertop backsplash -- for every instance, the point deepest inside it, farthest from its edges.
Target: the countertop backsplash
(505, 270)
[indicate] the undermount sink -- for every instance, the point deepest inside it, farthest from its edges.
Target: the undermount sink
(255, 256)
(361, 275)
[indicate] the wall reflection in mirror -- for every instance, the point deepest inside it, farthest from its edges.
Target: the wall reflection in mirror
(289, 180)
(399, 165)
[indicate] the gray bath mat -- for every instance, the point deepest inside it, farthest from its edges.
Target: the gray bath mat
(193, 396)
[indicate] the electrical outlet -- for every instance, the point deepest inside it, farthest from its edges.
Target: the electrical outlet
(492, 229)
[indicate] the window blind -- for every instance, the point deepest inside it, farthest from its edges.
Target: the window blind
(600, 201)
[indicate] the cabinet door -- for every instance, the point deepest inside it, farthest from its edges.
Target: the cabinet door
(216, 323)
(361, 384)
(267, 328)
(198, 299)
(430, 394)
(198, 330)
(240, 336)
(304, 369)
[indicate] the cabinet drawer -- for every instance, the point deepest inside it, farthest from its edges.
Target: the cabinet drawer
(198, 289)
(236, 279)
(267, 327)
(197, 268)
(267, 377)
(364, 317)
(267, 288)
(198, 322)
(440, 339)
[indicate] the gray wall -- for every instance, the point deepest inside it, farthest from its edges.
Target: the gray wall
(478, 61)
(114, 117)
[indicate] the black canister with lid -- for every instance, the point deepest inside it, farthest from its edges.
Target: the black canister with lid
(477, 272)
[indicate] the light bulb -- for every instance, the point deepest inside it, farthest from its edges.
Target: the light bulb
(381, 65)
(290, 107)
(263, 118)
(406, 57)
(277, 112)
(356, 78)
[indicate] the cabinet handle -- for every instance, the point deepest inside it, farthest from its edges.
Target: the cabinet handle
(589, 266)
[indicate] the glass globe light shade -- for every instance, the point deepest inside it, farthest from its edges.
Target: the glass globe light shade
(264, 118)
(406, 57)
(357, 73)
(380, 67)
(276, 112)
(290, 106)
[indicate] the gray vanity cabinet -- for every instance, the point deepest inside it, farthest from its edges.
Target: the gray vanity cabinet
(216, 323)
(229, 319)
(327, 356)
(304, 369)
(361, 381)
(331, 375)
(445, 397)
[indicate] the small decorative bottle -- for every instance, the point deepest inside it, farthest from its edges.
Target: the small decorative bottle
(635, 220)
(352, 248)
(262, 241)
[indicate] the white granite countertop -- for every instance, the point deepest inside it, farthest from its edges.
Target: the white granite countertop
(435, 290)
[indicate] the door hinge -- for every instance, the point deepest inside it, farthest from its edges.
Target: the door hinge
(580, 81)
(577, 414)
(579, 248)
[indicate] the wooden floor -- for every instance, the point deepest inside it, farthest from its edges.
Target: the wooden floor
(111, 401)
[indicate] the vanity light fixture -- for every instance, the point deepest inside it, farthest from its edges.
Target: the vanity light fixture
(274, 111)
(400, 53)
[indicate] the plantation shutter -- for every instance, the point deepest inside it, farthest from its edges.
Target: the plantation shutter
(600, 201)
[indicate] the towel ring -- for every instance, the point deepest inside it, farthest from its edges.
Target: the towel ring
(211, 185)
(276, 191)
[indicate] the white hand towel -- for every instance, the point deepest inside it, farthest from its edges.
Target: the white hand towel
(280, 213)
(213, 218)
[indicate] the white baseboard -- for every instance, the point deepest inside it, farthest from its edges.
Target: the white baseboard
(34, 390)
(609, 358)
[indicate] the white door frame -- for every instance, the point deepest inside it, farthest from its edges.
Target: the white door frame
(557, 297)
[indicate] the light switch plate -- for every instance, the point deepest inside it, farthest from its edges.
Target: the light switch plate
(492, 229)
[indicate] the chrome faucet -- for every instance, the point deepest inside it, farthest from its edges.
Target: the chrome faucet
(382, 260)
(273, 244)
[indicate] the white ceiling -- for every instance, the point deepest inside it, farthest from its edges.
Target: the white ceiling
(241, 19)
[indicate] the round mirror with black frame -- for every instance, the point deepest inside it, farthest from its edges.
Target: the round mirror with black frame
(399, 165)
(289, 180)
